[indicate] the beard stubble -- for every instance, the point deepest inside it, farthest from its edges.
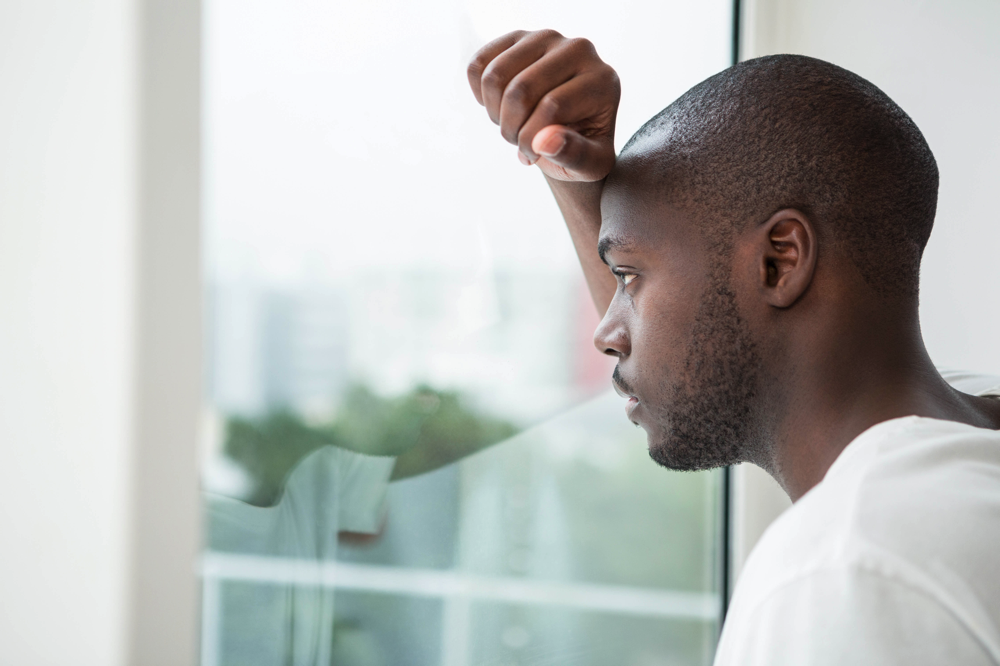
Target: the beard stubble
(710, 412)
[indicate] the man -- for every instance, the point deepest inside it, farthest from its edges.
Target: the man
(764, 235)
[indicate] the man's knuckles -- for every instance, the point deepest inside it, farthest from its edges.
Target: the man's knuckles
(547, 34)
(494, 78)
(550, 108)
(519, 99)
(581, 48)
(523, 103)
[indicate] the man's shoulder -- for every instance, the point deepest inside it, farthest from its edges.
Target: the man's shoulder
(914, 502)
(908, 486)
(856, 615)
(911, 511)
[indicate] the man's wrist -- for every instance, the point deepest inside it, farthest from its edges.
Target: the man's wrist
(576, 196)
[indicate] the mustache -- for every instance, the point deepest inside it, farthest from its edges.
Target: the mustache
(622, 387)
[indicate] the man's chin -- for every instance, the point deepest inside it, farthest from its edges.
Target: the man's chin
(672, 463)
(681, 456)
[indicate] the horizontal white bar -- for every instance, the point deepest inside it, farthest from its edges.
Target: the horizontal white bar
(448, 584)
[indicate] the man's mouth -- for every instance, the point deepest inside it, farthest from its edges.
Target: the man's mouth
(623, 390)
(621, 386)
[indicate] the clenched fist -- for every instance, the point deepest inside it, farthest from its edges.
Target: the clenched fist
(554, 98)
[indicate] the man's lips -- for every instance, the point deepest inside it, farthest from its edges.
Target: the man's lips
(630, 406)
(632, 403)
(622, 393)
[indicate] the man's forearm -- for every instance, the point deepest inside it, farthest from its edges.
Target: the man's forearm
(580, 204)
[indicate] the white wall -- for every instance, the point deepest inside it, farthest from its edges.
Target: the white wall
(79, 417)
(67, 213)
(940, 61)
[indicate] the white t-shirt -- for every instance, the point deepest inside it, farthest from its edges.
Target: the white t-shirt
(894, 558)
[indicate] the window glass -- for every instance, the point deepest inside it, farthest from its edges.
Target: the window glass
(411, 453)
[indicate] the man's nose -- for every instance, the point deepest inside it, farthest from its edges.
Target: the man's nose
(611, 336)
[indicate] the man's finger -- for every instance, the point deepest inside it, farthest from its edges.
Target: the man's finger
(505, 66)
(582, 158)
(592, 96)
(531, 84)
(549, 141)
(485, 56)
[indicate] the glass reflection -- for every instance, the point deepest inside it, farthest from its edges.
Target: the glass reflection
(563, 542)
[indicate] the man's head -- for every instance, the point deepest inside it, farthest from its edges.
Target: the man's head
(769, 198)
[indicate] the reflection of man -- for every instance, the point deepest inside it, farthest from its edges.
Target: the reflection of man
(291, 621)
(313, 488)
(764, 235)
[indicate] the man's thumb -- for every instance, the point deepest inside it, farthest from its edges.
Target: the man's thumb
(582, 157)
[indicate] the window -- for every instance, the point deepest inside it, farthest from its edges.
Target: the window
(384, 277)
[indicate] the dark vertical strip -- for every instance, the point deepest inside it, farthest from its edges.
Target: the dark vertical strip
(737, 16)
(726, 575)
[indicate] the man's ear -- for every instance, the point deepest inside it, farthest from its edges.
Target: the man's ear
(786, 250)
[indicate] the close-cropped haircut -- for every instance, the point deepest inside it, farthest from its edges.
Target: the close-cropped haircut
(790, 131)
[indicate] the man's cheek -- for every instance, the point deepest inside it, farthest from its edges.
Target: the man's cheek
(658, 343)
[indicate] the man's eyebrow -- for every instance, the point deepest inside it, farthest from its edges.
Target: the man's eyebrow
(611, 243)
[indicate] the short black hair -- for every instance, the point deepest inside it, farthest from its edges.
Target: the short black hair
(789, 131)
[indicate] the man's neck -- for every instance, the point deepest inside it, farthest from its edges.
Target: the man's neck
(842, 393)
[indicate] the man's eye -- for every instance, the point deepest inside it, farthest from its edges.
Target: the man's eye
(624, 275)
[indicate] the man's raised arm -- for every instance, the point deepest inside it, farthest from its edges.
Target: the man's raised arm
(556, 100)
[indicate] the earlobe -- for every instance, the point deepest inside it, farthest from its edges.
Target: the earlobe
(787, 254)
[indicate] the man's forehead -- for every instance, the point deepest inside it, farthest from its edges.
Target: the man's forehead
(635, 218)
(623, 202)
(631, 189)
(629, 212)
(627, 231)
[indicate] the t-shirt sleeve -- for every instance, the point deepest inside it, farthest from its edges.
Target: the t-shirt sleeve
(849, 618)
(971, 382)
(364, 483)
